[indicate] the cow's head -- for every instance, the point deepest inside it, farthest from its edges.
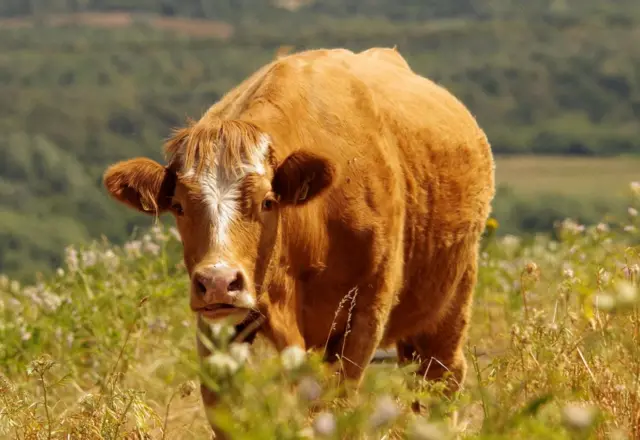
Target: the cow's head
(227, 191)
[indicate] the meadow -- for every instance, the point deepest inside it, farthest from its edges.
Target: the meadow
(105, 349)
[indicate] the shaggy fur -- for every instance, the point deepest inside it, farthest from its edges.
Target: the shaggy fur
(334, 172)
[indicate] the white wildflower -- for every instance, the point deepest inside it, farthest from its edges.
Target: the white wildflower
(175, 234)
(633, 212)
(25, 335)
(605, 277)
(110, 260)
(324, 424)
(89, 258)
(420, 429)
(292, 357)
(309, 389)
(60, 272)
(627, 292)
(602, 228)
(604, 301)
(568, 272)
(635, 187)
(133, 248)
(510, 243)
(578, 417)
(630, 228)
(71, 259)
(385, 412)
(14, 287)
(151, 248)
(240, 352)
(158, 233)
(158, 325)
(222, 363)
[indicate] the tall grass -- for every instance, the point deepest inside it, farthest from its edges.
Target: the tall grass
(106, 350)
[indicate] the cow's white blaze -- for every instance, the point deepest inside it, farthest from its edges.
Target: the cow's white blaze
(221, 193)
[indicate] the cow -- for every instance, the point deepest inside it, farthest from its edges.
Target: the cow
(329, 173)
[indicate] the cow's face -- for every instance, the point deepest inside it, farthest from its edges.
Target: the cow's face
(227, 193)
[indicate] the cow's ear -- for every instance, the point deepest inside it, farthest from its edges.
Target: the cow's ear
(142, 184)
(302, 176)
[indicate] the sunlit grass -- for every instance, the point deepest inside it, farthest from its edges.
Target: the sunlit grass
(106, 350)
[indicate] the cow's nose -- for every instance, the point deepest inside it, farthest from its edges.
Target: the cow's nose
(218, 282)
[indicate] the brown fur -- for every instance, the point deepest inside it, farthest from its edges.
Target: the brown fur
(383, 182)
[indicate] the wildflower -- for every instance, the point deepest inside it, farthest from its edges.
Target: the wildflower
(531, 267)
(187, 388)
(158, 325)
(568, 272)
(629, 228)
(578, 417)
(385, 412)
(14, 287)
(89, 258)
(25, 335)
(60, 272)
(175, 234)
(632, 211)
(635, 188)
(71, 259)
(492, 224)
(605, 276)
(292, 357)
(602, 228)
(420, 429)
(604, 302)
(110, 260)
(158, 233)
(151, 248)
(240, 352)
(626, 292)
(324, 424)
(222, 363)
(309, 389)
(133, 248)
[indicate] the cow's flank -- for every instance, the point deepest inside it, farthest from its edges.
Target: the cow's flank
(324, 174)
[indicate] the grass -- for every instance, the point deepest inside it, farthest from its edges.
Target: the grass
(106, 350)
(581, 177)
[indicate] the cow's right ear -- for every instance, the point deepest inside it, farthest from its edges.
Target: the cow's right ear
(142, 184)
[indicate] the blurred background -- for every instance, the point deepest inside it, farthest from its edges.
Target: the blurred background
(84, 83)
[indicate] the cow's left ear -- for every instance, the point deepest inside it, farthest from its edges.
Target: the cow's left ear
(302, 176)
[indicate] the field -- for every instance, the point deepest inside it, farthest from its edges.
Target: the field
(581, 177)
(105, 349)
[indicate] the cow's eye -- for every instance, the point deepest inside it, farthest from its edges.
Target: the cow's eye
(268, 204)
(177, 208)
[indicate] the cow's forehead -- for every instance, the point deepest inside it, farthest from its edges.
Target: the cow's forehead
(218, 174)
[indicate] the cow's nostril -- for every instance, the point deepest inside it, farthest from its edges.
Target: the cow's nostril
(201, 289)
(237, 284)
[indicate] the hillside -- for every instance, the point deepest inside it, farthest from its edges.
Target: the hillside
(83, 84)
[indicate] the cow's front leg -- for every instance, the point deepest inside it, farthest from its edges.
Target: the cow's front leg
(210, 398)
(366, 312)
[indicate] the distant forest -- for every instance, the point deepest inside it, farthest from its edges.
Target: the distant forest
(87, 82)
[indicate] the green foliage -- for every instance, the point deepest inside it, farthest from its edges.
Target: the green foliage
(87, 83)
(105, 349)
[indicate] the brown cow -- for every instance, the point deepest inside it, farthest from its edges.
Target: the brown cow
(328, 172)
